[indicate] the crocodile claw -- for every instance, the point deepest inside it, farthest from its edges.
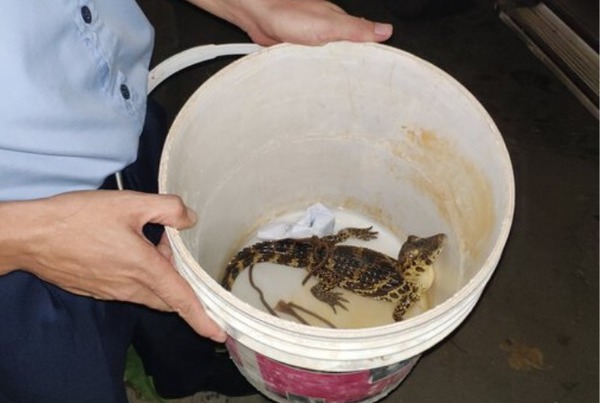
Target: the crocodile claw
(366, 234)
(334, 299)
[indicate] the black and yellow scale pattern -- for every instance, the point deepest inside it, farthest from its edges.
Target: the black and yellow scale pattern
(363, 271)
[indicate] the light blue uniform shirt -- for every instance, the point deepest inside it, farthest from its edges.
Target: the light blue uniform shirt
(73, 79)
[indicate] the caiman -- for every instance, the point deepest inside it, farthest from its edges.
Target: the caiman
(361, 270)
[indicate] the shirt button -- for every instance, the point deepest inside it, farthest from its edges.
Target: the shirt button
(86, 14)
(125, 91)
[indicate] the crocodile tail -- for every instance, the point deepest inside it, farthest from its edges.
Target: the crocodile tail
(251, 255)
(295, 253)
(236, 266)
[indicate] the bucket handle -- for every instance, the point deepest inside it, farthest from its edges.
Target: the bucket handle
(195, 55)
(187, 58)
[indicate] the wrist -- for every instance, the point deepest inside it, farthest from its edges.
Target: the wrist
(20, 223)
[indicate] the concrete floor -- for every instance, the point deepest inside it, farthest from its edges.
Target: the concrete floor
(544, 295)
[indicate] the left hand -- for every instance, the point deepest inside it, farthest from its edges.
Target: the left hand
(91, 243)
(308, 22)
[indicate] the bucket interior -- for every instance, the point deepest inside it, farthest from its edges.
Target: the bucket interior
(364, 128)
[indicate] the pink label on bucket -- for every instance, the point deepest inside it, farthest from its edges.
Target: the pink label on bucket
(302, 385)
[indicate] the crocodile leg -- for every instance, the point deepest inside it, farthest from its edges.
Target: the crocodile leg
(403, 304)
(364, 234)
(323, 291)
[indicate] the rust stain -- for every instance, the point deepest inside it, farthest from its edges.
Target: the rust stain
(461, 193)
(371, 210)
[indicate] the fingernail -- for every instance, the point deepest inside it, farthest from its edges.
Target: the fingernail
(383, 29)
(220, 337)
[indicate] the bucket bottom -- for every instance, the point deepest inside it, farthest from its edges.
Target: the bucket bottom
(287, 383)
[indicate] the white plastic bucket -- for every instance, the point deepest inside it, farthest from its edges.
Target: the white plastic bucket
(363, 127)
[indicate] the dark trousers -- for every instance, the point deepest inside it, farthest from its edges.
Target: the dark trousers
(59, 347)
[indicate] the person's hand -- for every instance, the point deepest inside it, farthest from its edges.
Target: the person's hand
(91, 243)
(308, 22)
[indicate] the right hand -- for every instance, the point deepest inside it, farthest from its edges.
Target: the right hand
(91, 243)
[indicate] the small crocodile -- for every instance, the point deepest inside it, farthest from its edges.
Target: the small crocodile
(363, 271)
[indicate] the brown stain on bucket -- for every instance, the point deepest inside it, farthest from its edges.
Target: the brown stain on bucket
(460, 191)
